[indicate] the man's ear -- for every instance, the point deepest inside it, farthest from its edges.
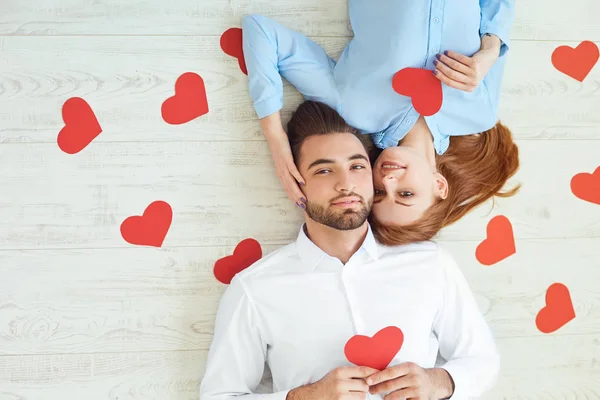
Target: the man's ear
(441, 186)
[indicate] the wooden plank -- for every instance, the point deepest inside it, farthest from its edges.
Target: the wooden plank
(222, 192)
(534, 368)
(534, 19)
(126, 81)
(109, 300)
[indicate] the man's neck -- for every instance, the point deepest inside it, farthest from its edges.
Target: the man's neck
(336, 243)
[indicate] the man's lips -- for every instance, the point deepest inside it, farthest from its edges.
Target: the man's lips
(347, 201)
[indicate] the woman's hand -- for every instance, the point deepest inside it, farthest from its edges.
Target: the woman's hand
(286, 170)
(466, 73)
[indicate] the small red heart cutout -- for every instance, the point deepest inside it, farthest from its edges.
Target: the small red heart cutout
(149, 229)
(587, 186)
(576, 62)
(422, 86)
(232, 45)
(376, 352)
(246, 253)
(499, 244)
(81, 126)
(558, 310)
(189, 101)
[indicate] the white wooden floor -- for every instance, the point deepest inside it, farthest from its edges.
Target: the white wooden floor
(86, 315)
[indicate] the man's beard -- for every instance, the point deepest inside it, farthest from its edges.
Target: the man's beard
(343, 220)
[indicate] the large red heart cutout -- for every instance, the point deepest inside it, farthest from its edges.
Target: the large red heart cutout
(246, 253)
(422, 86)
(587, 186)
(558, 310)
(81, 126)
(376, 352)
(150, 228)
(189, 101)
(232, 45)
(576, 62)
(499, 244)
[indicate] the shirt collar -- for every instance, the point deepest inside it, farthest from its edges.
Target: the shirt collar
(311, 255)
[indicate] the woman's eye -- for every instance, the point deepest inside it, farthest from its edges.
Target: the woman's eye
(406, 194)
(378, 191)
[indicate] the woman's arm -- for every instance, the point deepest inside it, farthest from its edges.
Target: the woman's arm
(466, 73)
(272, 51)
(497, 17)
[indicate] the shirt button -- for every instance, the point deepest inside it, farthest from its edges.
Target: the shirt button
(408, 121)
(436, 20)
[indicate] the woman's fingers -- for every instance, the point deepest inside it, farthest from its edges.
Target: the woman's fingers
(452, 83)
(452, 74)
(461, 58)
(296, 174)
(293, 186)
(462, 64)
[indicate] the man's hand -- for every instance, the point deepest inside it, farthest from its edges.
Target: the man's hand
(466, 73)
(343, 383)
(410, 381)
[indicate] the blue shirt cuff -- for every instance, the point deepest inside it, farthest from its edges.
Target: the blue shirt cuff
(491, 28)
(266, 107)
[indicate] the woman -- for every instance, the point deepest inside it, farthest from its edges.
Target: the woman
(430, 170)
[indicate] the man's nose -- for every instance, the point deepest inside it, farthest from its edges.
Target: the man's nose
(345, 183)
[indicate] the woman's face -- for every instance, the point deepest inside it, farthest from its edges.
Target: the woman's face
(405, 185)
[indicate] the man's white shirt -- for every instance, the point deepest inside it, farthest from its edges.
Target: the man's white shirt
(297, 307)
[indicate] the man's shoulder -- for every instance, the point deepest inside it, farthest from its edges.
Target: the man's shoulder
(271, 263)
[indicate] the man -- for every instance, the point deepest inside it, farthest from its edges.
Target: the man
(298, 307)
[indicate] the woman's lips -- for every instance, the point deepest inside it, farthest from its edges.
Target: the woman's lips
(392, 164)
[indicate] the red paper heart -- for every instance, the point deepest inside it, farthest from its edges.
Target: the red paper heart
(149, 229)
(246, 253)
(231, 43)
(189, 102)
(558, 311)
(576, 62)
(587, 186)
(81, 126)
(499, 244)
(422, 86)
(376, 352)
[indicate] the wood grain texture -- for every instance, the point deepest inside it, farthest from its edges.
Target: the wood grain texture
(532, 369)
(85, 315)
(126, 80)
(534, 19)
(142, 299)
(222, 192)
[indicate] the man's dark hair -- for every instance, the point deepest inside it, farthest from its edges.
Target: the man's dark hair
(316, 118)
